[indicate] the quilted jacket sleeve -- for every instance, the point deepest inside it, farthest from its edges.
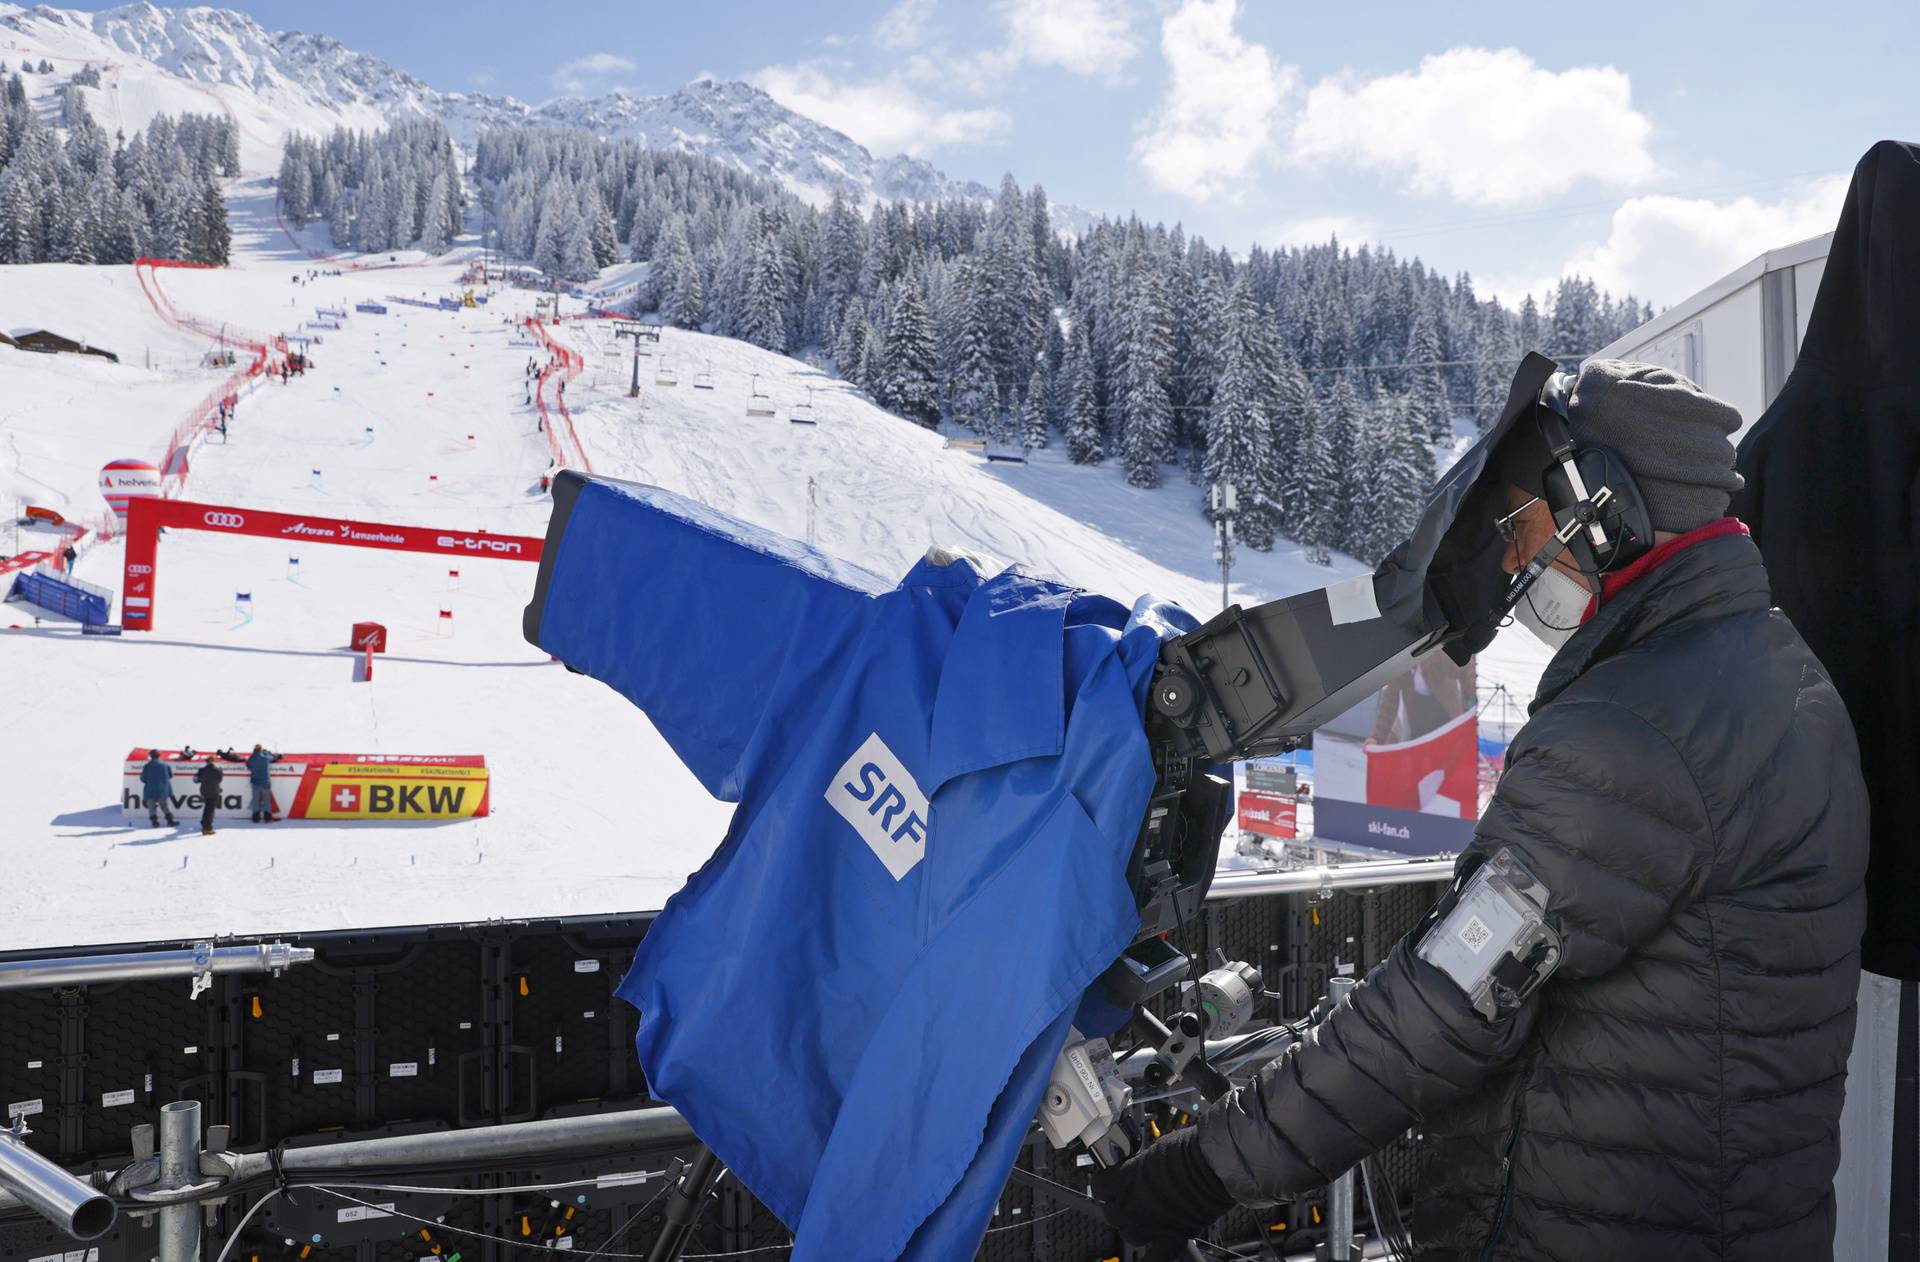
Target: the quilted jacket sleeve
(1601, 808)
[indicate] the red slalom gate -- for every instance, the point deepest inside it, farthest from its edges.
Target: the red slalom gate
(571, 365)
(146, 516)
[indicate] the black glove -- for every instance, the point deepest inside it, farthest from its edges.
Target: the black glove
(1162, 1196)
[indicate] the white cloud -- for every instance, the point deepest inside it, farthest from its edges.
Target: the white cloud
(1089, 38)
(1662, 248)
(483, 77)
(883, 114)
(1484, 126)
(594, 72)
(1316, 229)
(1084, 37)
(1222, 104)
(904, 24)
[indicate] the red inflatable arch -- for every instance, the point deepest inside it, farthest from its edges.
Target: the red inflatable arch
(145, 517)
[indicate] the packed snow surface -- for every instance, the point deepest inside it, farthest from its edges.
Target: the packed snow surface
(421, 417)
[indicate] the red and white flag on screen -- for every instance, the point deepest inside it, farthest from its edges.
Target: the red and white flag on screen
(1437, 773)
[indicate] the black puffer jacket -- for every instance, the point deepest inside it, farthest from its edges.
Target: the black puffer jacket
(1689, 789)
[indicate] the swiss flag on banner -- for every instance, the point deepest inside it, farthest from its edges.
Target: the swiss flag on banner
(1437, 774)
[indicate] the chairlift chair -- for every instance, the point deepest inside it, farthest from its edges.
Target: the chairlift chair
(802, 413)
(759, 404)
(704, 380)
(664, 375)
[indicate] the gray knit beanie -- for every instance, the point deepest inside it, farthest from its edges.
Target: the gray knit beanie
(1671, 434)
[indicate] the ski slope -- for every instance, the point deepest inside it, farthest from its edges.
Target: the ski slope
(421, 417)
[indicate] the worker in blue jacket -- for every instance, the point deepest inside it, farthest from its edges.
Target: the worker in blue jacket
(156, 788)
(259, 782)
(857, 1000)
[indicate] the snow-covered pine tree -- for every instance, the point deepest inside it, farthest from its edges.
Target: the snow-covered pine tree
(1576, 319)
(340, 221)
(1238, 435)
(971, 392)
(1530, 326)
(1085, 443)
(1500, 352)
(1312, 481)
(214, 240)
(872, 375)
(1346, 490)
(849, 340)
(912, 388)
(403, 210)
(1146, 414)
(1198, 351)
(1409, 461)
(682, 304)
(294, 183)
(1033, 412)
(605, 242)
(576, 243)
(1428, 390)
(549, 240)
(1304, 462)
(841, 254)
(436, 231)
(374, 223)
(19, 216)
(762, 314)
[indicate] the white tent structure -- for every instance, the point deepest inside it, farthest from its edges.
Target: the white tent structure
(1738, 337)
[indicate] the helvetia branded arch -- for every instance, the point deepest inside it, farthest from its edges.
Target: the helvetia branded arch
(146, 518)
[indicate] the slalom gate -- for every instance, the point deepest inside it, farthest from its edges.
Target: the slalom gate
(444, 1026)
(146, 517)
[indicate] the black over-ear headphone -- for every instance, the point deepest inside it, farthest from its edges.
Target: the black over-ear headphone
(1596, 505)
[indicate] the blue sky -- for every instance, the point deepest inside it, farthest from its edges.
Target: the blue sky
(1651, 145)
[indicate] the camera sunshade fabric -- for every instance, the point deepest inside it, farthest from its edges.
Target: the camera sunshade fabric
(856, 1002)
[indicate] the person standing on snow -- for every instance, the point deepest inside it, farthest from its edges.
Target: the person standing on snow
(1688, 790)
(208, 778)
(260, 782)
(156, 788)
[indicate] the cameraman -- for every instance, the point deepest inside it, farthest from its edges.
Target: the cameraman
(1688, 789)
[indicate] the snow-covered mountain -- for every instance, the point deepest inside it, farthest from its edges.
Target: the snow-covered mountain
(159, 60)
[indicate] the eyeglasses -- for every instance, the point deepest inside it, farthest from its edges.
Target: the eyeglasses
(1505, 524)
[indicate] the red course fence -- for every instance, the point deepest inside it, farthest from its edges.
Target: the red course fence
(567, 451)
(255, 352)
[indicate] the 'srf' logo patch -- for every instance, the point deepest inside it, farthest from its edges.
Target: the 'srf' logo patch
(873, 792)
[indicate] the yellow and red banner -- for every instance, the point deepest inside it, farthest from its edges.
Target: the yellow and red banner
(393, 791)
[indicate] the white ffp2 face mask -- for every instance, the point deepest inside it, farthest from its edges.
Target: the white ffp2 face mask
(1553, 606)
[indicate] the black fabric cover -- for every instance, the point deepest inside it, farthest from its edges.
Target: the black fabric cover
(1446, 575)
(1688, 789)
(1833, 499)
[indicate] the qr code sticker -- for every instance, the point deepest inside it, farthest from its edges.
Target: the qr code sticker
(1475, 934)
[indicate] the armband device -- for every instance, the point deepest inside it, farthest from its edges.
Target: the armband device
(1489, 934)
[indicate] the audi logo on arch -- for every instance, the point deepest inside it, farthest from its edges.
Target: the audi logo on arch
(232, 521)
(139, 569)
